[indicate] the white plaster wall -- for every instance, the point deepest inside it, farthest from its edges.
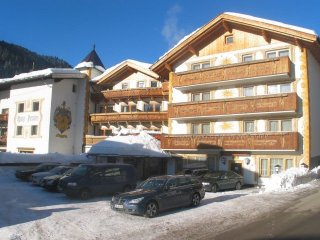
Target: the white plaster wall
(178, 96)
(133, 79)
(62, 91)
(314, 86)
(227, 127)
(226, 93)
(261, 125)
(25, 92)
(179, 128)
(260, 90)
(4, 99)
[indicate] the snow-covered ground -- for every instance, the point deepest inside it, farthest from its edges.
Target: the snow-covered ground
(28, 212)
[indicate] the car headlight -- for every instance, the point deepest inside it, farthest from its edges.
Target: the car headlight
(136, 200)
(72, 184)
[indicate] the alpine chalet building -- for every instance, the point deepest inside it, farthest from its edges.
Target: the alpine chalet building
(243, 96)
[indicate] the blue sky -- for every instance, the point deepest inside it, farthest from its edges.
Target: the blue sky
(136, 29)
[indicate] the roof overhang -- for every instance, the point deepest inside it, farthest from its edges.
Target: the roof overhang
(190, 45)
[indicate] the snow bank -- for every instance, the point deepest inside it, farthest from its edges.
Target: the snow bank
(39, 158)
(141, 144)
(292, 177)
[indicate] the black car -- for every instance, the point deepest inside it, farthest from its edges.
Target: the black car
(160, 193)
(51, 182)
(26, 174)
(221, 180)
(89, 180)
(197, 172)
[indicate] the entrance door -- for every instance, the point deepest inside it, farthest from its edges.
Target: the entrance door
(236, 167)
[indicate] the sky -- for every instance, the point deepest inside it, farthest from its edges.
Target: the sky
(142, 30)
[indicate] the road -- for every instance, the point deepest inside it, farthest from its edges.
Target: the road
(299, 221)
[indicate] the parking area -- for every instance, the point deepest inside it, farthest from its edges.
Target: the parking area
(29, 212)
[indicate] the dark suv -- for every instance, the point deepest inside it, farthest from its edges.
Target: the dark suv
(158, 194)
(89, 180)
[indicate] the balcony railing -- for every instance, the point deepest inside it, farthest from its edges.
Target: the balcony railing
(128, 117)
(258, 104)
(134, 93)
(254, 69)
(3, 140)
(90, 140)
(239, 141)
(3, 117)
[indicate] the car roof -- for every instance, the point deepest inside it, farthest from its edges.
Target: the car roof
(107, 165)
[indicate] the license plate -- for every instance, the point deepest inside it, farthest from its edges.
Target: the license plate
(118, 206)
(205, 184)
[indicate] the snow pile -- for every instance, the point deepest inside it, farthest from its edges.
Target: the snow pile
(141, 144)
(291, 178)
(6, 158)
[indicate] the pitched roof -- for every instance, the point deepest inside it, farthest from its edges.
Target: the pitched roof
(123, 69)
(225, 22)
(93, 58)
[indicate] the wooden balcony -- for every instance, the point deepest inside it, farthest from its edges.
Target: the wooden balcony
(3, 140)
(3, 117)
(135, 93)
(239, 141)
(128, 117)
(90, 139)
(275, 67)
(258, 104)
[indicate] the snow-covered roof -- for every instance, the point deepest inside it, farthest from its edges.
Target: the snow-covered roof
(141, 145)
(140, 66)
(49, 72)
(89, 65)
(92, 60)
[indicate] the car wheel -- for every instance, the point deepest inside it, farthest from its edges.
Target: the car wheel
(152, 209)
(127, 189)
(84, 194)
(195, 200)
(238, 186)
(214, 188)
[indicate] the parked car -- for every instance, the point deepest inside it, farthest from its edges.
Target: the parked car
(221, 180)
(96, 179)
(51, 182)
(26, 174)
(197, 172)
(158, 194)
(36, 178)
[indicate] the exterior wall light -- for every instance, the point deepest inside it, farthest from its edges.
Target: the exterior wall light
(277, 168)
(223, 160)
(247, 161)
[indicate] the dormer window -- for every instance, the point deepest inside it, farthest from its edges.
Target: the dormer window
(229, 39)
(154, 84)
(140, 84)
(247, 58)
(124, 86)
(277, 53)
(198, 66)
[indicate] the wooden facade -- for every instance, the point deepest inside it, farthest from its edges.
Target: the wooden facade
(258, 104)
(134, 93)
(236, 141)
(90, 140)
(254, 69)
(128, 117)
(3, 117)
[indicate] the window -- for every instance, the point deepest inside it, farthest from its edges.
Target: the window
(157, 107)
(279, 88)
(273, 126)
(274, 162)
(74, 88)
(205, 128)
(277, 53)
(133, 108)
(248, 91)
(20, 107)
(195, 128)
(205, 96)
(140, 84)
(154, 84)
(35, 106)
(229, 39)
(148, 107)
(289, 163)
(34, 130)
(286, 126)
(248, 126)
(124, 108)
(124, 86)
(286, 87)
(198, 66)
(19, 130)
(264, 167)
(247, 58)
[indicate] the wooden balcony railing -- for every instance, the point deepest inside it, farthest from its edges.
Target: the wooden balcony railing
(266, 103)
(239, 141)
(129, 117)
(261, 68)
(134, 93)
(3, 140)
(3, 117)
(90, 140)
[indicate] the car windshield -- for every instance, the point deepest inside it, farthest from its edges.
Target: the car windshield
(212, 174)
(40, 167)
(80, 171)
(57, 170)
(152, 184)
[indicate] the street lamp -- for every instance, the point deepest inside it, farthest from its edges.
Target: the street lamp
(277, 168)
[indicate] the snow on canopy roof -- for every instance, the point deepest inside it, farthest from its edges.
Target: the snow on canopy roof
(109, 70)
(54, 72)
(141, 145)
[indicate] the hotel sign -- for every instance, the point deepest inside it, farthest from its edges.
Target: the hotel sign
(28, 119)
